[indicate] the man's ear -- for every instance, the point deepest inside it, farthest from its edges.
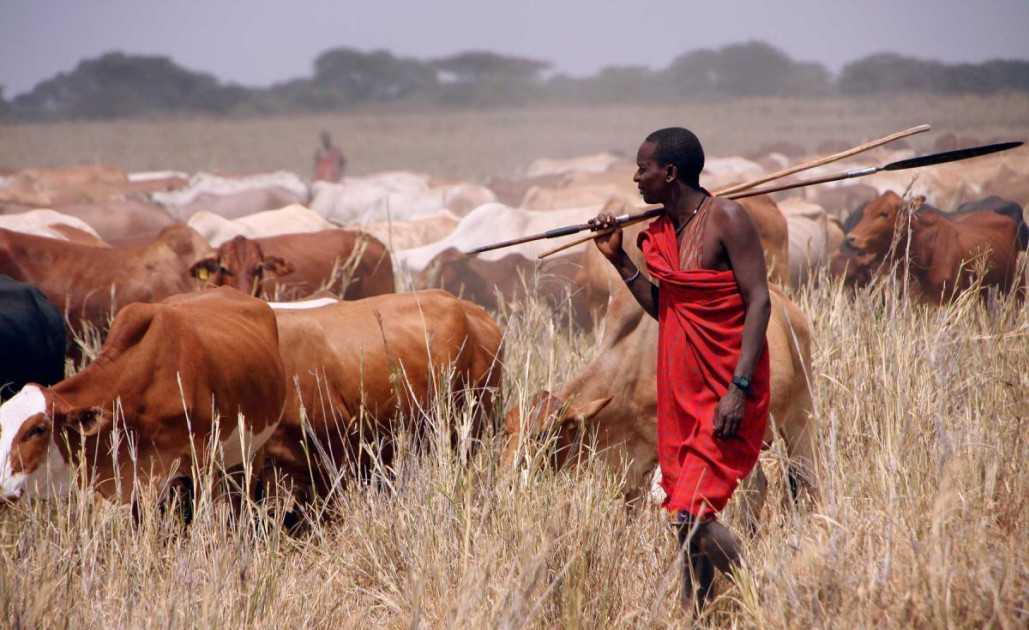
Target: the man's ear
(274, 266)
(202, 269)
(86, 422)
(671, 172)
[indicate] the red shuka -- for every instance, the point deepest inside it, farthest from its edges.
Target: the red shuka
(700, 319)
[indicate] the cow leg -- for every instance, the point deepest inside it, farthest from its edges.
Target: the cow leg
(178, 499)
(753, 491)
(797, 432)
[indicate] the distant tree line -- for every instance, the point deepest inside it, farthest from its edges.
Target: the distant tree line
(118, 85)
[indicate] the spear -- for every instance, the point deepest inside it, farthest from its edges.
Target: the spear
(899, 165)
(573, 229)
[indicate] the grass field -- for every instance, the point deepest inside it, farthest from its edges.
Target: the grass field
(921, 412)
(476, 145)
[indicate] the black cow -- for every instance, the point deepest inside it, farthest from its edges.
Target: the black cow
(32, 338)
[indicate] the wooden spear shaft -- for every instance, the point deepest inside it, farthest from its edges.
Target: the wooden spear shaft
(626, 220)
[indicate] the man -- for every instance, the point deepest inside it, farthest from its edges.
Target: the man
(712, 309)
(328, 161)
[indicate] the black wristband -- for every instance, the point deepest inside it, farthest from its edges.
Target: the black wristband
(743, 383)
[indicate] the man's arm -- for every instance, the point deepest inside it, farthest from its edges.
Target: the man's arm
(738, 237)
(610, 246)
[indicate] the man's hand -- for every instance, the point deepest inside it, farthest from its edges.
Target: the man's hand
(610, 245)
(729, 413)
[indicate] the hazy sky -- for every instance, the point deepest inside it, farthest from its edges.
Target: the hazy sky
(259, 42)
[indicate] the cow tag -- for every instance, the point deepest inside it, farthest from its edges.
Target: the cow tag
(202, 273)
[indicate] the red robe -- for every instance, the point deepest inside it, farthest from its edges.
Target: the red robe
(700, 320)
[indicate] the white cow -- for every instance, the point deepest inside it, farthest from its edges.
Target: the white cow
(357, 202)
(292, 219)
(494, 222)
(720, 172)
(584, 164)
(38, 222)
(209, 183)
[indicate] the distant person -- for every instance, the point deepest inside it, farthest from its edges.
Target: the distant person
(328, 161)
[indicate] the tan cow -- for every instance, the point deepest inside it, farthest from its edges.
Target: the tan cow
(292, 219)
(150, 399)
(365, 368)
(813, 237)
(292, 266)
(429, 228)
(612, 403)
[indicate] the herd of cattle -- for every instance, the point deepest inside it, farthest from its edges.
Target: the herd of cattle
(178, 275)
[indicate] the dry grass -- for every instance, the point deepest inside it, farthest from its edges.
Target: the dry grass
(921, 413)
(922, 522)
(474, 145)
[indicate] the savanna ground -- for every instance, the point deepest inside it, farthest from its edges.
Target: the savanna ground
(924, 506)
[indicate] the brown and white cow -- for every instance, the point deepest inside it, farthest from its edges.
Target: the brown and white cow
(360, 369)
(150, 399)
(89, 284)
(612, 403)
(292, 266)
(948, 253)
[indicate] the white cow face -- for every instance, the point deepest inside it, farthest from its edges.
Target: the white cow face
(30, 462)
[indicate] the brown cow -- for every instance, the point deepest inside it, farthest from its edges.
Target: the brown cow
(362, 366)
(511, 278)
(89, 284)
(948, 253)
(292, 266)
(150, 399)
(612, 403)
(118, 220)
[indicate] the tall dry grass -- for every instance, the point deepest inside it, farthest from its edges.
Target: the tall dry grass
(922, 520)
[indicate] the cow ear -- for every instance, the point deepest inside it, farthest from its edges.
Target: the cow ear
(589, 410)
(202, 269)
(276, 266)
(917, 202)
(86, 421)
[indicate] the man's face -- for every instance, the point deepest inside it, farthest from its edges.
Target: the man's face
(652, 179)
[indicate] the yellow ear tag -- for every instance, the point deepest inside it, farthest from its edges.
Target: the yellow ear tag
(202, 273)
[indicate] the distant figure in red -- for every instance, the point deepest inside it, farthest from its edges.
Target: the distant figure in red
(328, 161)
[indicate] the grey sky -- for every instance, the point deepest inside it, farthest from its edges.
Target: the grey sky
(260, 42)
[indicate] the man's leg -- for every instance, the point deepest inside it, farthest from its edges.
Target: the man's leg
(698, 571)
(717, 543)
(705, 546)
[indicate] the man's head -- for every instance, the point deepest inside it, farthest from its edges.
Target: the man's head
(326, 139)
(679, 147)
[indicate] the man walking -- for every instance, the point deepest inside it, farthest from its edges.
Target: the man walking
(712, 307)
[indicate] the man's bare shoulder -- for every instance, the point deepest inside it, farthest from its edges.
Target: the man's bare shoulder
(729, 216)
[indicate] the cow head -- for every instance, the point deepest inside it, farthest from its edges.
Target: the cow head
(240, 263)
(548, 418)
(873, 233)
(31, 462)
